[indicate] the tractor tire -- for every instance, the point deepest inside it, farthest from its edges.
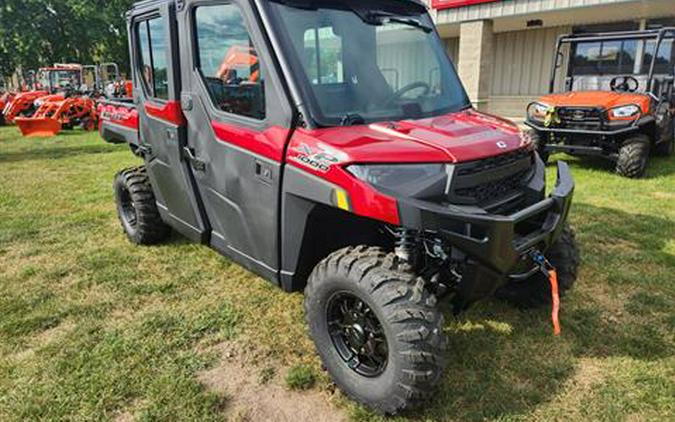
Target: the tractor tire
(377, 330)
(137, 208)
(2, 119)
(536, 290)
(634, 156)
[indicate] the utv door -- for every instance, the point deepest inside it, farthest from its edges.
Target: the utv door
(162, 126)
(238, 119)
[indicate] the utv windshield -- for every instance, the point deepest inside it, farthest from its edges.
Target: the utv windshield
(359, 62)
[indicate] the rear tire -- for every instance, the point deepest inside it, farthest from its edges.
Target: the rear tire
(634, 156)
(536, 290)
(411, 329)
(137, 207)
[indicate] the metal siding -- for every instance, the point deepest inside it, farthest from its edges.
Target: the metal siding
(523, 60)
(452, 47)
(515, 7)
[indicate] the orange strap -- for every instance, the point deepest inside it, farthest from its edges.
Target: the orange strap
(553, 278)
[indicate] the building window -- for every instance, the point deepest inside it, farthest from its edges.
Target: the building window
(153, 57)
(229, 62)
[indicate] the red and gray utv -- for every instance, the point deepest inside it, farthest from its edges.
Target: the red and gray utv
(329, 146)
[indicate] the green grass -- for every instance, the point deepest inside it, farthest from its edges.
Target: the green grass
(300, 377)
(93, 328)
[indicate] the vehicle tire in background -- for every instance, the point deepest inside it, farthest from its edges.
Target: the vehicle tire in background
(539, 145)
(633, 156)
(536, 290)
(666, 147)
(137, 208)
(377, 330)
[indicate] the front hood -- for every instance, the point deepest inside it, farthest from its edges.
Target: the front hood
(458, 137)
(600, 99)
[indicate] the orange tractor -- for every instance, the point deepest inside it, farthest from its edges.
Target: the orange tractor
(72, 100)
(56, 113)
(48, 80)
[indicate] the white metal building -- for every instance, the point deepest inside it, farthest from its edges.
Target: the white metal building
(504, 48)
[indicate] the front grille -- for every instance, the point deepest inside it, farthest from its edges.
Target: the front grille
(493, 181)
(581, 117)
(494, 189)
(480, 166)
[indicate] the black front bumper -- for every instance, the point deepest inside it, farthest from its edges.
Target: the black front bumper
(495, 244)
(602, 142)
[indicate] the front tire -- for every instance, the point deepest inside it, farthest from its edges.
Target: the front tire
(137, 207)
(536, 290)
(634, 156)
(393, 359)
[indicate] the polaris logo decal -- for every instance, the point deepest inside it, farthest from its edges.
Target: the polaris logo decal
(502, 145)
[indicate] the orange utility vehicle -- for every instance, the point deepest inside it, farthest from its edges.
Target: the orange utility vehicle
(617, 102)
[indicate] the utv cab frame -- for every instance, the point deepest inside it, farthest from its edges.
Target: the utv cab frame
(310, 142)
(622, 116)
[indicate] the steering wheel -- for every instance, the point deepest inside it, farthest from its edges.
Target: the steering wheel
(624, 84)
(410, 87)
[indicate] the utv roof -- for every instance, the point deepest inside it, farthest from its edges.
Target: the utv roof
(145, 3)
(665, 32)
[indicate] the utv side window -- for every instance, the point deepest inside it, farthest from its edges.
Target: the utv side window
(665, 60)
(229, 62)
(323, 54)
(153, 57)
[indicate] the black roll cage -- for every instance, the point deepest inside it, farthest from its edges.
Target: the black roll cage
(650, 34)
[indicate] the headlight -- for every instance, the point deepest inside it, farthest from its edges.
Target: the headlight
(398, 176)
(624, 112)
(538, 111)
(37, 103)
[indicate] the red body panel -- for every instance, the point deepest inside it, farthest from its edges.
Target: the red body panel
(458, 137)
(119, 115)
(169, 112)
(268, 143)
(454, 4)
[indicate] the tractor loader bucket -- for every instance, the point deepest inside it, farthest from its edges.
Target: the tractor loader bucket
(38, 128)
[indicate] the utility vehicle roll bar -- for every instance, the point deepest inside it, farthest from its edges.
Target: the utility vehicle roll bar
(649, 34)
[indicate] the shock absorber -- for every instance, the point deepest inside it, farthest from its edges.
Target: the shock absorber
(406, 245)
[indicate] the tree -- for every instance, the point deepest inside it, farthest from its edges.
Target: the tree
(36, 33)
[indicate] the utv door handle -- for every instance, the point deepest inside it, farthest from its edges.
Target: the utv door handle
(196, 163)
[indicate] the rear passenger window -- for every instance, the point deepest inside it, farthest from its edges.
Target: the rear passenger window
(153, 57)
(229, 62)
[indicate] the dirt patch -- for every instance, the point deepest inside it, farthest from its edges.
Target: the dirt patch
(250, 400)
